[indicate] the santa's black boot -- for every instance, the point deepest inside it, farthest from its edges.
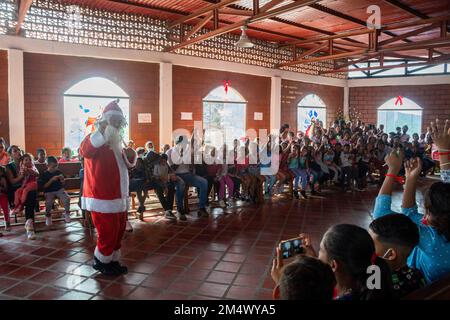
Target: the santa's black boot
(105, 268)
(118, 267)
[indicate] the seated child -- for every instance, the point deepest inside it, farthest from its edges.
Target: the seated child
(66, 155)
(395, 236)
(4, 198)
(29, 182)
(306, 278)
(41, 156)
(52, 181)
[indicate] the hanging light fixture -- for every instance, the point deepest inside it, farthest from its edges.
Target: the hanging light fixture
(244, 41)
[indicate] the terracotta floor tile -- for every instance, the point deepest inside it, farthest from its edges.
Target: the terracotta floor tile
(46, 277)
(221, 277)
(43, 263)
(48, 293)
(241, 293)
(24, 273)
(212, 289)
(75, 295)
(144, 294)
(186, 286)
(6, 283)
(228, 266)
(69, 281)
(22, 289)
(157, 282)
(92, 286)
(132, 278)
(117, 290)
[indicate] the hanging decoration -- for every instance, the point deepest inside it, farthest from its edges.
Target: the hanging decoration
(399, 100)
(226, 85)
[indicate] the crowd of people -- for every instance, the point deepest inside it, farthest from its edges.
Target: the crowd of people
(409, 249)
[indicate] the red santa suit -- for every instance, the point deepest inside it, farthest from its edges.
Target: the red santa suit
(105, 190)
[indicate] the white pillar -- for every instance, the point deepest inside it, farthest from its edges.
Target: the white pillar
(346, 102)
(16, 97)
(165, 103)
(275, 104)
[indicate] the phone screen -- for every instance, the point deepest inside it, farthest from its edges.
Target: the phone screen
(290, 248)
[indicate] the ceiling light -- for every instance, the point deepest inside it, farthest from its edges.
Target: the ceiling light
(244, 41)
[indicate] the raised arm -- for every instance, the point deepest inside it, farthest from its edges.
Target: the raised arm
(394, 162)
(441, 138)
(384, 200)
(413, 167)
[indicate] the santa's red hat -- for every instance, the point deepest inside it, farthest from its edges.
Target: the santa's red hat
(112, 109)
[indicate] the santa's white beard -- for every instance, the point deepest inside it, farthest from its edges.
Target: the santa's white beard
(113, 138)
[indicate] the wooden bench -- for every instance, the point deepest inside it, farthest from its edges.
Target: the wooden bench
(438, 290)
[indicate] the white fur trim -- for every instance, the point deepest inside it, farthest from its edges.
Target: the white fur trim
(116, 255)
(105, 206)
(124, 177)
(101, 257)
(97, 139)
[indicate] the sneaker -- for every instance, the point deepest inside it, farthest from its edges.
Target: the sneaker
(181, 216)
(202, 213)
(48, 221)
(267, 196)
(303, 193)
(128, 227)
(296, 194)
(7, 226)
(67, 217)
(118, 267)
(169, 215)
(222, 204)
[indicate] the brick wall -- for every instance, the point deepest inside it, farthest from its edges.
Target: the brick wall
(292, 92)
(191, 85)
(4, 115)
(47, 77)
(434, 99)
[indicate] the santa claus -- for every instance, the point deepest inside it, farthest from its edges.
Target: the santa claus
(105, 187)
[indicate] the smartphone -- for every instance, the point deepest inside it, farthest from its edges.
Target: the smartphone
(291, 247)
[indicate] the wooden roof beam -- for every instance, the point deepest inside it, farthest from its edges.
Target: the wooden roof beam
(239, 24)
(201, 12)
(404, 7)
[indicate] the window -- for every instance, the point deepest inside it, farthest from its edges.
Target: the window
(223, 116)
(311, 107)
(85, 101)
(392, 115)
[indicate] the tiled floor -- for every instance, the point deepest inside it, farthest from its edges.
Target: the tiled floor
(224, 257)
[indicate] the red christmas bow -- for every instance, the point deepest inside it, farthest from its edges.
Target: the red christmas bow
(399, 99)
(226, 85)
